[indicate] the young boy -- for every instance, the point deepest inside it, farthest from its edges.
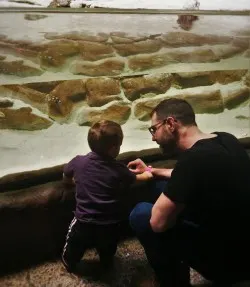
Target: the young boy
(100, 182)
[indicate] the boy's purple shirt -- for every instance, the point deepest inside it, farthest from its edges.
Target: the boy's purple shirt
(101, 182)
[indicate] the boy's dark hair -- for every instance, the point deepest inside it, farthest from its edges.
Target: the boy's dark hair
(179, 109)
(103, 135)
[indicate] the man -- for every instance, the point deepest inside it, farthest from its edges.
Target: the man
(201, 218)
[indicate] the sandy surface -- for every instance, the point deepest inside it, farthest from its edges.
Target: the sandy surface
(131, 270)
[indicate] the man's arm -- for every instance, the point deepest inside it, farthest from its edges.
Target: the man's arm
(163, 172)
(138, 166)
(144, 176)
(164, 213)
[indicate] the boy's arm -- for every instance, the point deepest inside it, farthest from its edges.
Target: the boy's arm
(68, 180)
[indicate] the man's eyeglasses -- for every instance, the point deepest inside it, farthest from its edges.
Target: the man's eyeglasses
(155, 127)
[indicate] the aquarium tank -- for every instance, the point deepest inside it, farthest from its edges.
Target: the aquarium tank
(62, 70)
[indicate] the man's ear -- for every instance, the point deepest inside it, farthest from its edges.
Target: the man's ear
(171, 121)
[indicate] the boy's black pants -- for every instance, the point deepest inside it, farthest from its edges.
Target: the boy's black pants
(82, 236)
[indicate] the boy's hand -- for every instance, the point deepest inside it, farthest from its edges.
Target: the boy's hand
(137, 166)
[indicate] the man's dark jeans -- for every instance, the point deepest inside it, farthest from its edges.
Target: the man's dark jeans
(170, 253)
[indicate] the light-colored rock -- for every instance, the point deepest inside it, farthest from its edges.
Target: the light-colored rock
(226, 51)
(5, 103)
(18, 68)
(64, 96)
(247, 53)
(235, 96)
(241, 42)
(192, 79)
(75, 35)
(134, 87)
(147, 62)
(27, 95)
(101, 91)
(144, 62)
(22, 48)
(117, 111)
(124, 38)
(93, 51)
(182, 39)
(247, 79)
(199, 55)
(142, 47)
(206, 101)
(57, 53)
(34, 17)
(207, 78)
(23, 119)
(2, 115)
(43, 87)
(227, 76)
(109, 67)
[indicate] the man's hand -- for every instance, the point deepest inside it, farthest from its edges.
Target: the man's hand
(137, 166)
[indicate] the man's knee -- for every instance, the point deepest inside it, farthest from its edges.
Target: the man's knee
(139, 218)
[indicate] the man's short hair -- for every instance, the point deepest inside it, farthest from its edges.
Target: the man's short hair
(179, 109)
(103, 135)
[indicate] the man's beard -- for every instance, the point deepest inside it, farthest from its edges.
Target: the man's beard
(169, 148)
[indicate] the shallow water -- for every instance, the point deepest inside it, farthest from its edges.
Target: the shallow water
(45, 122)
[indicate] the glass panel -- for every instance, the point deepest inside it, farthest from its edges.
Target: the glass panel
(60, 72)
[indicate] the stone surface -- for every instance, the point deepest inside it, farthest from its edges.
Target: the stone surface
(242, 42)
(22, 119)
(117, 111)
(22, 48)
(5, 103)
(18, 68)
(192, 79)
(142, 47)
(182, 39)
(227, 76)
(207, 102)
(57, 52)
(34, 17)
(135, 87)
(247, 53)
(93, 51)
(196, 55)
(101, 91)
(75, 35)
(147, 62)
(247, 79)
(27, 95)
(109, 67)
(235, 96)
(124, 38)
(63, 97)
(225, 51)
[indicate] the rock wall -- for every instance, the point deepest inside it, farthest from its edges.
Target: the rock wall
(35, 214)
(118, 75)
(85, 101)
